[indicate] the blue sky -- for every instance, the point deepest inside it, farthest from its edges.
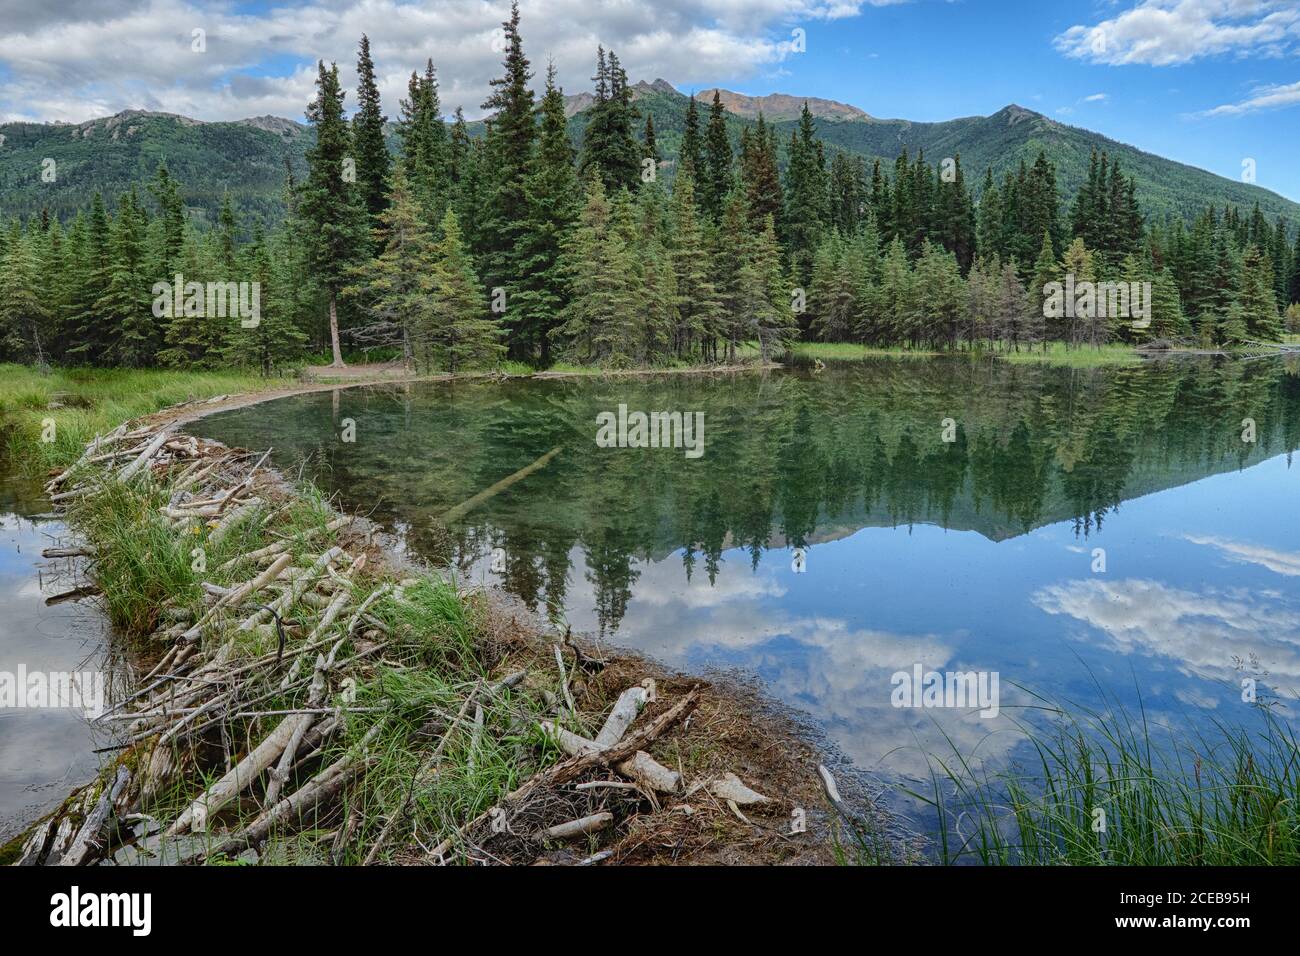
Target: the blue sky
(1207, 82)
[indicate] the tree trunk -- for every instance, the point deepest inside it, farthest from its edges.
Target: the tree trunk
(334, 330)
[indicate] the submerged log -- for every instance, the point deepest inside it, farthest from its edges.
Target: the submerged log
(452, 514)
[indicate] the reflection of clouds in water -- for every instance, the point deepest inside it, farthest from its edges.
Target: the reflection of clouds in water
(836, 672)
(1279, 562)
(1201, 632)
(1197, 698)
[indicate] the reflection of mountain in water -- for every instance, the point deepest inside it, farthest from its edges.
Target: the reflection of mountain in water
(791, 458)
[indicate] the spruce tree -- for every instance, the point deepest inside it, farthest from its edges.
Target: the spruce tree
(126, 302)
(509, 143)
(552, 192)
(609, 147)
(398, 284)
(692, 150)
(430, 164)
(372, 160)
(773, 320)
(760, 176)
(331, 204)
(1167, 319)
(1046, 270)
(697, 300)
(24, 315)
(714, 179)
(91, 335)
(1257, 299)
(465, 333)
(806, 195)
(275, 341)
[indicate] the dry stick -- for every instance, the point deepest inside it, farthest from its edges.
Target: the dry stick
(230, 520)
(468, 505)
(75, 594)
(241, 776)
(624, 711)
(92, 447)
(641, 767)
(238, 594)
(281, 772)
(127, 473)
(290, 597)
(580, 827)
(244, 485)
(335, 606)
(68, 553)
(566, 770)
(564, 679)
(281, 546)
(321, 787)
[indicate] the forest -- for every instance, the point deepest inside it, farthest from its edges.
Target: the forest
(459, 251)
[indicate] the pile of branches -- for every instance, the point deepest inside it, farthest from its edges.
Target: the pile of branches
(248, 725)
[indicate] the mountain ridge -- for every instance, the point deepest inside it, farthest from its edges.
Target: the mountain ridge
(246, 158)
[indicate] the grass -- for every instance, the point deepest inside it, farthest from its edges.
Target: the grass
(1084, 356)
(1057, 353)
(90, 402)
(1108, 788)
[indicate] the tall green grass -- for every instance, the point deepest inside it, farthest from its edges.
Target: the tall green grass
(83, 403)
(1108, 787)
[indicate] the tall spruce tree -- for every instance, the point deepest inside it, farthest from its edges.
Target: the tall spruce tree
(552, 192)
(509, 143)
(372, 160)
(331, 203)
(609, 147)
(714, 178)
(806, 194)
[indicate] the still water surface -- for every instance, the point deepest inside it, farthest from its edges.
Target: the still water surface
(975, 554)
(828, 538)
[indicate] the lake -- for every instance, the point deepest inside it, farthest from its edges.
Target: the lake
(1095, 536)
(1073, 533)
(44, 752)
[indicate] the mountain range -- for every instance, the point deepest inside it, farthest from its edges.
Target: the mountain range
(246, 159)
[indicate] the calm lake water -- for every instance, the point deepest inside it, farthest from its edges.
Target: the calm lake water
(44, 752)
(829, 536)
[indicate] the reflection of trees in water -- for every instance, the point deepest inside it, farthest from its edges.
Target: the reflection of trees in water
(789, 459)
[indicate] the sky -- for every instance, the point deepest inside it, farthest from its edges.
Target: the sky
(1212, 83)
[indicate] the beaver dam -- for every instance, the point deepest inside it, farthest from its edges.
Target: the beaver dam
(310, 701)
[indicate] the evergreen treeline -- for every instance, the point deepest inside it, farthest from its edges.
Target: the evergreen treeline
(462, 250)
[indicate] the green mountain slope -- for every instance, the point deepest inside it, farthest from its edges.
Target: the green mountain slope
(247, 158)
(244, 158)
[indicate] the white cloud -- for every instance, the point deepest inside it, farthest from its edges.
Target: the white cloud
(1279, 562)
(1201, 634)
(1096, 98)
(1168, 32)
(66, 62)
(1261, 98)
